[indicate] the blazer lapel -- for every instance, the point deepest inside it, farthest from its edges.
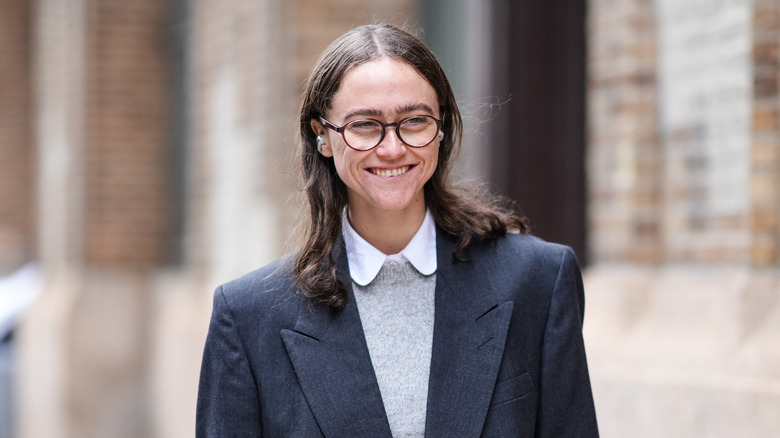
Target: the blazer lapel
(330, 357)
(470, 329)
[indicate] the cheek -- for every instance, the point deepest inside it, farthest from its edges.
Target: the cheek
(433, 159)
(344, 161)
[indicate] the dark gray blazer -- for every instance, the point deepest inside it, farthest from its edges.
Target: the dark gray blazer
(508, 358)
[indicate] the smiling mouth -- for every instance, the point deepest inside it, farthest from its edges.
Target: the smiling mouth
(390, 172)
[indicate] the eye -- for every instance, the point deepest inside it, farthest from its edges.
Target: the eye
(416, 120)
(417, 124)
(363, 126)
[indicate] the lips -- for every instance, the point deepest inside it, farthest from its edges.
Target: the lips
(390, 172)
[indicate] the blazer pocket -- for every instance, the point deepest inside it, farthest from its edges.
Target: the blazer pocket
(512, 389)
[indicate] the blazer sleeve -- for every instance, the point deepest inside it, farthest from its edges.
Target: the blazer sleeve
(228, 402)
(566, 401)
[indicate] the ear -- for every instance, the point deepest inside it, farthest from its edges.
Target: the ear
(317, 127)
(320, 130)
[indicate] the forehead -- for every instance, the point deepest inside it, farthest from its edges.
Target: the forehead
(384, 86)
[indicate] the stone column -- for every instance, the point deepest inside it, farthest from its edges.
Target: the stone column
(101, 135)
(58, 64)
(240, 56)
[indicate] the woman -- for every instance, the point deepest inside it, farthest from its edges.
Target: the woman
(411, 309)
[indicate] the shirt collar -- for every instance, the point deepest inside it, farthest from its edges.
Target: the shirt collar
(365, 261)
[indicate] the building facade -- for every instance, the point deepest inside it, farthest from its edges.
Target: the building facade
(147, 154)
(683, 216)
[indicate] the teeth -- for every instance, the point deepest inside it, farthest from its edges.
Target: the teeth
(391, 172)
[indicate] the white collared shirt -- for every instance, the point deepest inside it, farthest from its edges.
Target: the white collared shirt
(365, 261)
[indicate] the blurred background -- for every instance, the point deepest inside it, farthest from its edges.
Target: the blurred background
(147, 155)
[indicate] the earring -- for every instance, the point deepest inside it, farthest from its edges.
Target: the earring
(320, 143)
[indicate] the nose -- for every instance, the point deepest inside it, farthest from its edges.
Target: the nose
(391, 146)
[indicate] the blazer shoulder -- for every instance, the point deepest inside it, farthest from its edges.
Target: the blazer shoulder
(521, 262)
(532, 249)
(256, 292)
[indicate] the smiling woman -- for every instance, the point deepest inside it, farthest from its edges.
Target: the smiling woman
(413, 308)
(385, 183)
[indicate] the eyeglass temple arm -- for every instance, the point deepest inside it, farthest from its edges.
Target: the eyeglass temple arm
(330, 125)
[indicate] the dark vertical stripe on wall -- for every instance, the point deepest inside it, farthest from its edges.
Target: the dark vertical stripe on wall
(539, 137)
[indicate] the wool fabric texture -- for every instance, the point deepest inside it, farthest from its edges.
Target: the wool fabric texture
(397, 313)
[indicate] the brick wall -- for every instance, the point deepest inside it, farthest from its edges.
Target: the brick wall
(127, 147)
(683, 132)
(624, 157)
(17, 154)
(317, 23)
(765, 123)
(686, 346)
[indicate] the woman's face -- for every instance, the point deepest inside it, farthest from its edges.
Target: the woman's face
(390, 176)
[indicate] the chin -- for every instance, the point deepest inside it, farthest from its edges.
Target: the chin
(395, 205)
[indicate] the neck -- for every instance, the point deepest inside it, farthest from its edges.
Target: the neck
(387, 231)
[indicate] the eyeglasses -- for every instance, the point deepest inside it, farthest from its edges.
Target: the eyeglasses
(364, 134)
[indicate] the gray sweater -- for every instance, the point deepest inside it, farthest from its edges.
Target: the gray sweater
(396, 311)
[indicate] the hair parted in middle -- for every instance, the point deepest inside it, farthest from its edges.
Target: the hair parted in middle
(458, 212)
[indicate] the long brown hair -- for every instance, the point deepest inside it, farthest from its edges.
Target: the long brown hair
(462, 214)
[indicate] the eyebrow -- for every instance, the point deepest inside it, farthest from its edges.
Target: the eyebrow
(408, 108)
(373, 112)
